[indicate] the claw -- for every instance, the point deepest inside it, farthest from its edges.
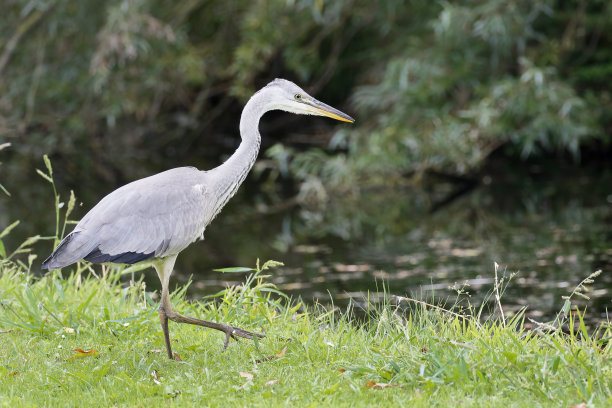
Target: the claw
(234, 333)
(227, 337)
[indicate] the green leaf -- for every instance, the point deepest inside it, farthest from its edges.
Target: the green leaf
(8, 229)
(149, 300)
(332, 389)
(5, 190)
(566, 307)
(86, 303)
(59, 288)
(237, 269)
(274, 291)
(48, 164)
(511, 356)
(71, 203)
(271, 264)
(555, 365)
(2, 250)
(43, 175)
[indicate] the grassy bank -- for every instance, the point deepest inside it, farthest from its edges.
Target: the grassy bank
(90, 340)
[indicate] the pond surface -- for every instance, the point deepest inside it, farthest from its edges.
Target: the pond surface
(550, 229)
(547, 224)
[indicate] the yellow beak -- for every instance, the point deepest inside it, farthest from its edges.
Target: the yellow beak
(322, 109)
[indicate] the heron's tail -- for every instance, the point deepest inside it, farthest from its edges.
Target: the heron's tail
(74, 246)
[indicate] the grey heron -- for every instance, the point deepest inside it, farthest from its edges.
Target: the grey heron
(153, 219)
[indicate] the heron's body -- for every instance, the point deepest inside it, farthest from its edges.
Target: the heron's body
(153, 219)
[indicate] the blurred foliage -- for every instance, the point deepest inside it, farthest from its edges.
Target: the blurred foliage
(464, 79)
(434, 85)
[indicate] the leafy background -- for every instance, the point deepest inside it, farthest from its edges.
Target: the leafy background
(118, 90)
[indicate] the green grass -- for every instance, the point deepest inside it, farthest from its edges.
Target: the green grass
(402, 353)
(416, 354)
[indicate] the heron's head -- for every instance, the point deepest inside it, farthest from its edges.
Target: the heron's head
(287, 96)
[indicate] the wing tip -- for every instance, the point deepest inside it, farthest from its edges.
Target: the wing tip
(46, 264)
(97, 256)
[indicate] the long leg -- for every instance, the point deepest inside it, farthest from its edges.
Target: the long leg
(164, 269)
(163, 318)
(166, 311)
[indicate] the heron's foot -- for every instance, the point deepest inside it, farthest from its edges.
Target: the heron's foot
(230, 331)
(234, 333)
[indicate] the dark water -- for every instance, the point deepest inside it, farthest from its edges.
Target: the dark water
(549, 223)
(550, 227)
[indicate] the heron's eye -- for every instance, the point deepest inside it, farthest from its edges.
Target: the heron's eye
(297, 97)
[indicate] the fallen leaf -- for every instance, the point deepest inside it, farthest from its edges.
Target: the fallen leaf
(80, 353)
(380, 386)
(154, 351)
(581, 405)
(177, 357)
(14, 373)
(341, 370)
(279, 355)
(249, 381)
(92, 351)
(282, 352)
(69, 330)
(271, 382)
(6, 331)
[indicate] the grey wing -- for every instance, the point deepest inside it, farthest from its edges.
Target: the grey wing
(152, 217)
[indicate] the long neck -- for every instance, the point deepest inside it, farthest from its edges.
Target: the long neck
(230, 175)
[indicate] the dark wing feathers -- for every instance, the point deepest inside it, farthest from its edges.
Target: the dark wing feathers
(96, 256)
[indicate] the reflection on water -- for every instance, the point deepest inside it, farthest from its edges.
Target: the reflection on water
(550, 227)
(553, 233)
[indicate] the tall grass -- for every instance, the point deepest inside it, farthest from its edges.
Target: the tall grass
(91, 337)
(403, 353)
